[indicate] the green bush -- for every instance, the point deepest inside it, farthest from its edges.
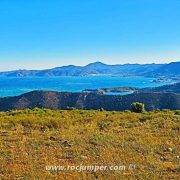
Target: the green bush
(137, 107)
(177, 112)
(103, 124)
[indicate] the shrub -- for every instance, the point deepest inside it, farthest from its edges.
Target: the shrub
(177, 112)
(137, 107)
(127, 111)
(103, 124)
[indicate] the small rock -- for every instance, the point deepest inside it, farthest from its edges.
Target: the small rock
(163, 158)
(66, 144)
(84, 157)
(170, 149)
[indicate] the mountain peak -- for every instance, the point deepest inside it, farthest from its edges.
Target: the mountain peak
(97, 63)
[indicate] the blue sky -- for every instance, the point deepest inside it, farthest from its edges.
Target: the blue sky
(39, 34)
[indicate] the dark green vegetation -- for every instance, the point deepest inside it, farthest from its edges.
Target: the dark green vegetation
(98, 68)
(137, 107)
(173, 88)
(33, 139)
(165, 97)
(63, 100)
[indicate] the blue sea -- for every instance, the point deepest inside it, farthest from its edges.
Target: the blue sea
(15, 86)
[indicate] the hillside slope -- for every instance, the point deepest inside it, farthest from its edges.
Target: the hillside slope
(66, 100)
(171, 69)
(173, 88)
(147, 144)
(98, 68)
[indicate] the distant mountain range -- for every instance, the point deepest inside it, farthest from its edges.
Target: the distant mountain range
(98, 68)
(166, 97)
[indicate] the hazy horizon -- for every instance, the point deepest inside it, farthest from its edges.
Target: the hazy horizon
(50, 67)
(45, 34)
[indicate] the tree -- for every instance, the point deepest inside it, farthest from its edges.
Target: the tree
(137, 107)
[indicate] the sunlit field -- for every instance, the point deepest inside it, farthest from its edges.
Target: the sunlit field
(32, 140)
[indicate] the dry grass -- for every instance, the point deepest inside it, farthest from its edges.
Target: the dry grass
(33, 139)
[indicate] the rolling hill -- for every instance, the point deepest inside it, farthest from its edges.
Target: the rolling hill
(67, 100)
